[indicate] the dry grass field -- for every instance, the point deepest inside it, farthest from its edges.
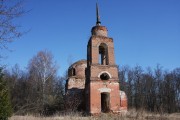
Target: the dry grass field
(131, 115)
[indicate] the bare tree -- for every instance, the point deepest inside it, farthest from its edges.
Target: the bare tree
(9, 31)
(38, 90)
(122, 73)
(155, 91)
(42, 71)
(17, 82)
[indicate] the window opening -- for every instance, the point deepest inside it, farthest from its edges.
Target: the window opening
(73, 71)
(104, 76)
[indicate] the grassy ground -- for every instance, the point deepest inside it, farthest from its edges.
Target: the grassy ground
(131, 115)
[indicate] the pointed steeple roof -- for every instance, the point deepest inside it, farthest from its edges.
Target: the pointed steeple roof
(99, 30)
(98, 22)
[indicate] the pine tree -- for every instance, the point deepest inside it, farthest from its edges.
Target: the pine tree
(5, 105)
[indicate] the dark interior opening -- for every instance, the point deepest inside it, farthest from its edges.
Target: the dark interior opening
(73, 71)
(105, 102)
(104, 76)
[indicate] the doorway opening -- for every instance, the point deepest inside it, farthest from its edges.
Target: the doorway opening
(105, 102)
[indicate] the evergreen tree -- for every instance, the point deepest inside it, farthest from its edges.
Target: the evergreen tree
(5, 105)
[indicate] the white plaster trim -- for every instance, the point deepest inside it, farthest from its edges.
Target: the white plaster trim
(105, 90)
(104, 72)
(122, 94)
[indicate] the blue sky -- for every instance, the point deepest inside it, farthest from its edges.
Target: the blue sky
(145, 32)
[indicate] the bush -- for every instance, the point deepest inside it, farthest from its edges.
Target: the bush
(5, 105)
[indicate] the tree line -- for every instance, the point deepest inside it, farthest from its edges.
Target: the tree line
(37, 89)
(154, 90)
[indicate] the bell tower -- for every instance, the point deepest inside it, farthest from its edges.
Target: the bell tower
(102, 82)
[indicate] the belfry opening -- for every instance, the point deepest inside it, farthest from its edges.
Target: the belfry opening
(103, 54)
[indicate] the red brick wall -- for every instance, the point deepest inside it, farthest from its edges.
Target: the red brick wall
(98, 86)
(95, 96)
(95, 42)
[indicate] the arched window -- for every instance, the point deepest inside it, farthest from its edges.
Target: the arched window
(73, 71)
(103, 54)
(104, 76)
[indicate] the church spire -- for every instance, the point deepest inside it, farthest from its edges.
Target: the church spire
(99, 30)
(98, 22)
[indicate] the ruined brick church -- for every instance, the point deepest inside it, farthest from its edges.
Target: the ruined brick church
(93, 84)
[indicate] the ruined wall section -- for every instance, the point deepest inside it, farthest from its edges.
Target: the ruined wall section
(123, 102)
(75, 86)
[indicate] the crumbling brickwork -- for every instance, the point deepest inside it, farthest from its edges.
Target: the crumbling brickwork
(75, 86)
(123, 102)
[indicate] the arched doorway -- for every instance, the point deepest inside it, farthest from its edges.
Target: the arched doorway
(105, 102)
